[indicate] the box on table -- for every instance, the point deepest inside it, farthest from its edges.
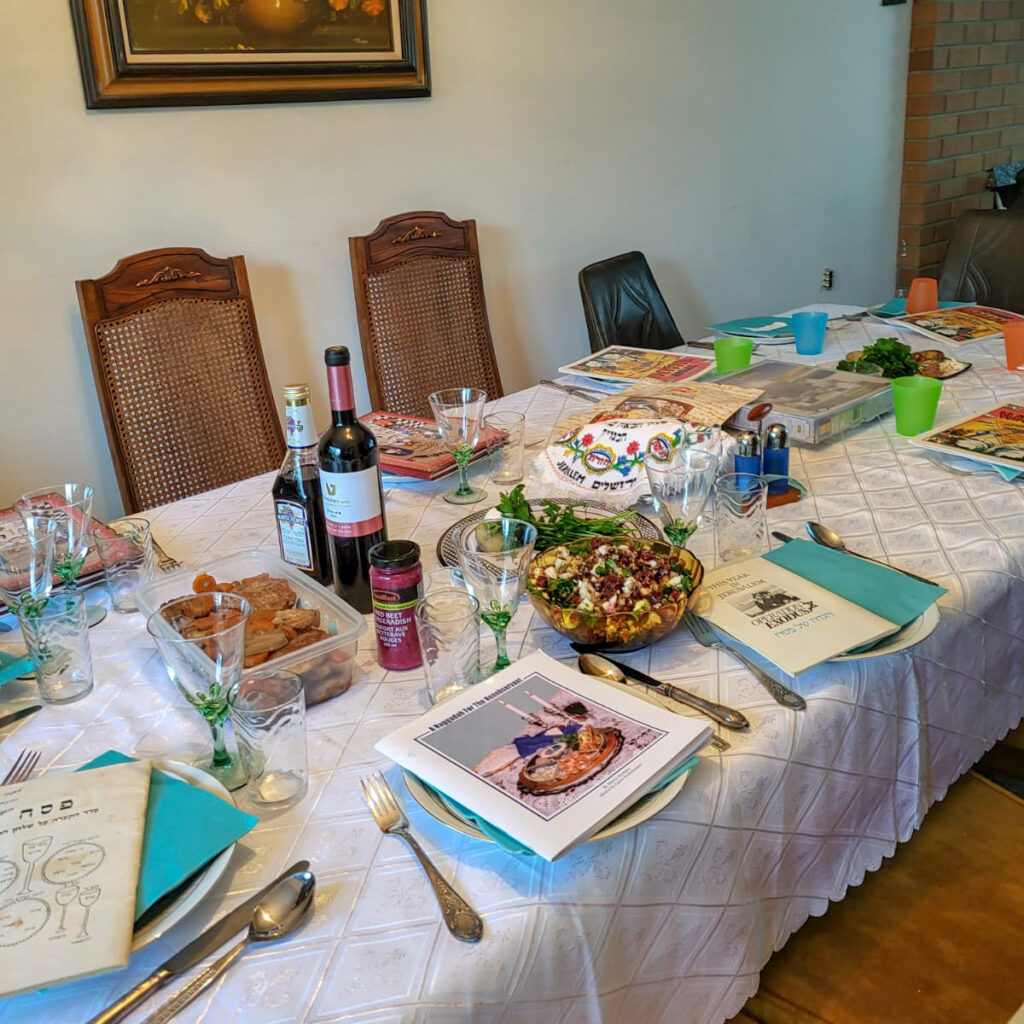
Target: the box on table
(325, 667)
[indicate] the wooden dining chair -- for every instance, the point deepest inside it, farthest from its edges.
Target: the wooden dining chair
(422, 316)
(623, 305)
(984, 261)
(180, 374)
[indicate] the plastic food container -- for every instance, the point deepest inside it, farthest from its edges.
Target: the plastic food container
(326, 667)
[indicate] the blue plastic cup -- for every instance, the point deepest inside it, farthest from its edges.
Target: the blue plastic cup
(809, 332)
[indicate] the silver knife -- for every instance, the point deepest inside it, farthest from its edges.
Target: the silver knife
(729, 717)
(18, 715)
(198, 949)
(590, 396)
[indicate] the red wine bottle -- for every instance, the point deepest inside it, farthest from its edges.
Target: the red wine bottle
(350, 483)
(298, 504)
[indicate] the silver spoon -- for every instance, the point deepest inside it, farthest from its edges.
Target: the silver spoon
(278, 914)
(602, 668)
(830, 539)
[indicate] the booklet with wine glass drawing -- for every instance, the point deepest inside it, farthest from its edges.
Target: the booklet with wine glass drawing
(545, 753)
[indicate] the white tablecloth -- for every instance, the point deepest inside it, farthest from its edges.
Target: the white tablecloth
(671, 922)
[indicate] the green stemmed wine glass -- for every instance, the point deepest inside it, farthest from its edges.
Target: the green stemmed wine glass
(204, 668)
(680, 489)
(459, 413)
(497, 577)
(26, 564)
(70, 507)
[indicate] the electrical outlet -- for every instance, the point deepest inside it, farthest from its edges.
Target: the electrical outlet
(827, 276)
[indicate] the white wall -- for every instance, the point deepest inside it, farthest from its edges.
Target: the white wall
(742, 144)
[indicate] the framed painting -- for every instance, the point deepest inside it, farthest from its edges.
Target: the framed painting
(163, 53)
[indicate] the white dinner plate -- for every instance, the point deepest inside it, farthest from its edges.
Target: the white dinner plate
(191, 894)
(913, 633)
(636, 814)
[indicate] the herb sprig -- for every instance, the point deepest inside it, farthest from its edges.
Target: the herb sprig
(559, 524)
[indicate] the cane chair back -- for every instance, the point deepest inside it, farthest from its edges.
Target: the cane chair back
(984, 261)
(623, 305)
(180, 375)
(422, 316)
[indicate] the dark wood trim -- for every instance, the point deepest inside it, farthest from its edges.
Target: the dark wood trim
(109, 82)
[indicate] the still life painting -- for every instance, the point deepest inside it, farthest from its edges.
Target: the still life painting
(196, 52)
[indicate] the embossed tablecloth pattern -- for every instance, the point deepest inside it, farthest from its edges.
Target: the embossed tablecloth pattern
(670, 922)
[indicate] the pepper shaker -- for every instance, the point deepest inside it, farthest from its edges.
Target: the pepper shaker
(747, 459)
(776, 457)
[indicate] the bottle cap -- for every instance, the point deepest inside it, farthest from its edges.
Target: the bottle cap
(337, 356)
(394, 554)
(296, 394)
(776, 436)
(748, 444)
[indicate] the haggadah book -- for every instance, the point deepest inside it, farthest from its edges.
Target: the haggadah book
(545, 753)
(70, 848)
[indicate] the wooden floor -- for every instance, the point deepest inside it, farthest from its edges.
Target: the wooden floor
(936, 936)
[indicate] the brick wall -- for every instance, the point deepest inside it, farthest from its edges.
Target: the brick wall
(965, 112)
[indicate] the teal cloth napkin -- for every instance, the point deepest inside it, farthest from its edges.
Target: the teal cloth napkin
(756, 327)
(897, 307)
(504, 840)
(186, 827)
(12, 666)
(886, 592)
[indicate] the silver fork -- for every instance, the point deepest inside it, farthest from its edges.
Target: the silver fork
(704, 633)
(164, 562)
(460, 918)
(22, 768)
(950, 469)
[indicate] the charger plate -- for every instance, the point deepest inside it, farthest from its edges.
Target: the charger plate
(448, 544)
(636, 814)
(194, 889)
(912, 633)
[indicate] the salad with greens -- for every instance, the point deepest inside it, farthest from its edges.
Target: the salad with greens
(890, 356)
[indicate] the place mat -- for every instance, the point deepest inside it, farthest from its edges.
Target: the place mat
(882, 591)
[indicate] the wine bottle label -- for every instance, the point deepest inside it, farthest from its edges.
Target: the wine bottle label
(293, 529)
(298, 426)
(352, 502)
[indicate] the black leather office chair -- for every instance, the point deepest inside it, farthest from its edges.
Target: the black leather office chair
(623, 306)
(984, 260)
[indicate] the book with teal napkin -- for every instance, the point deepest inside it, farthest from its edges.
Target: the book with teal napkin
(186, 827)
(804, 603)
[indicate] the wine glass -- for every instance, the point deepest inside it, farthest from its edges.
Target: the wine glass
(205, 667)
(72, 512)
(459, 413)
(497, 577)
(680, 489)
(26, 563)
(87, 897)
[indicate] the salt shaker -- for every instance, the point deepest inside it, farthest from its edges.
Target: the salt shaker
(776, 457)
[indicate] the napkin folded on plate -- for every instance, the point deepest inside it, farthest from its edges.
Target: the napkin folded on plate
(503, 839)
(12, 666)
(886, 592)
(186, 827)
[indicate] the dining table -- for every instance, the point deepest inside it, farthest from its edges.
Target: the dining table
(670, 921)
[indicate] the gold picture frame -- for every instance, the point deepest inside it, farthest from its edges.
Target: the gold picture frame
(165, 53)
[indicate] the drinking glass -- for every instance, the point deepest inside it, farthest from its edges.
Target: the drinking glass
(914, 402)
(72, 512)
(57, 637)
(268, 711)
(1013, 340)
(459, 412)
(507, 453)
(497, 578)
(809, 332)
(127, 553)
(449, 632)
(680, 489)
(26, 563)
(732, 354)
(923, 295)
(740, 503)
(204, 668)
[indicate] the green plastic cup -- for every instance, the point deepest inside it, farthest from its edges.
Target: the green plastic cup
(914, 400)
(732, 354)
